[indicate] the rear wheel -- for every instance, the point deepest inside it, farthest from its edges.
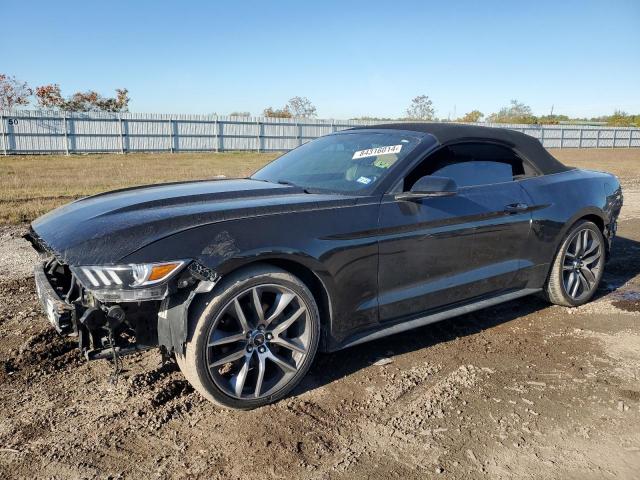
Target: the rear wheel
(253, 340)
(578, 266)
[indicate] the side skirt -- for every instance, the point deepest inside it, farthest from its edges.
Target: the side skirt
(436, 317)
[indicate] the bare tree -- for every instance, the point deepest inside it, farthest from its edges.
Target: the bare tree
(301, 107)
(13, 92)
(421, 108)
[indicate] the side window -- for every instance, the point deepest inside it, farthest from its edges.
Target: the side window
(471, 164)
(479, 172)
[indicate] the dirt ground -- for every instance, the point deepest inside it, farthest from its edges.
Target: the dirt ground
(523, 390)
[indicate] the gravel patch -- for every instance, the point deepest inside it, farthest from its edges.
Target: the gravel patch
(17, 256)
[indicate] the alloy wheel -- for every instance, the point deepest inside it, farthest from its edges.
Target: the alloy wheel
(258, 341)
(582, 264)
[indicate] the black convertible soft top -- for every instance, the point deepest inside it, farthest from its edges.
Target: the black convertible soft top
(445, 133)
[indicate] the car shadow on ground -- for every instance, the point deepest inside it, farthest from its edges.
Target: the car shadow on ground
(622, 267)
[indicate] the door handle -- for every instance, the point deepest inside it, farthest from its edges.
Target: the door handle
(516, 207)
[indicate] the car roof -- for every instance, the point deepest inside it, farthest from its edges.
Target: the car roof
(446, 133)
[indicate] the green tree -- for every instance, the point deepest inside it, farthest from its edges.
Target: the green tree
(623, 119)
(553, 119)
(516, 112)
(473, 116)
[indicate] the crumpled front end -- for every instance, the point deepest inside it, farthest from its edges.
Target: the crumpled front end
(113, 322)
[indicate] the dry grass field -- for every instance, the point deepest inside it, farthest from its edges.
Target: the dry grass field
(31, 185)
(34, 184)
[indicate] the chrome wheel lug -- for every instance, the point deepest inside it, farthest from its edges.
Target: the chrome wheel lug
(262, 349)
(269, 336)
(249, 348)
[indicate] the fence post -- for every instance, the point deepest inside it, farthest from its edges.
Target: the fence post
(4, 140)
(630, 138)
(613, 144)
(299, 133)
(216, 135)
(580, 141)
(65, 126)
(333, 126)
(121, 134)
(260, 133)
(220, 136)
(542, 136)
(598, 139)
(171, 139)
(561, 137)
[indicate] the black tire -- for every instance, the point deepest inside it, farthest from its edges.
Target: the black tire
(572, 282)
(215, 318)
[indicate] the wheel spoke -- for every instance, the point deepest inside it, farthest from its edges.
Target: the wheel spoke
(232, 357)
(240, 316)
(257, 305)
(583, 282)
(592, 248)
(279, 329)
(592, 258)
(569, 282)
(260, 379)
(282, 301)
(236, 337)
(578, 250)
(586, 240)
(284, 366)
(289, 344)
(238, 385)
(588, 275)
(576, 284)
(567, 267)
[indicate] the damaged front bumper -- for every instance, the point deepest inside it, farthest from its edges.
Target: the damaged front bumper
(61, 314)
(104, 329)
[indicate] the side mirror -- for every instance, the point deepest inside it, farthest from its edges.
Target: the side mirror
(430, 186)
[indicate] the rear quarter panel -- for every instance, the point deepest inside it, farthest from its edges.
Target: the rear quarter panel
(559, 200)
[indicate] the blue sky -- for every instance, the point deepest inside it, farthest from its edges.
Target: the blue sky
(351, 58)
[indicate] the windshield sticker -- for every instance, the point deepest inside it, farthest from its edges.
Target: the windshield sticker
(365, 180)
(374, 152)
(385, 161)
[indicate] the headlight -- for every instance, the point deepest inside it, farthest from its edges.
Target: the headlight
(128, 283)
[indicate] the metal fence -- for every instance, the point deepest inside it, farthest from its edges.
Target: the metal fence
(27, 131)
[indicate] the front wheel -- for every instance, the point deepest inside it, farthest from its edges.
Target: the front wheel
(578, 266)
(253, 340)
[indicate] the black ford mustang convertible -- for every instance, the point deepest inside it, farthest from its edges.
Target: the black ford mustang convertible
(348, 238)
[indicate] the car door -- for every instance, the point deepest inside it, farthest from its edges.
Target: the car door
(440, 251)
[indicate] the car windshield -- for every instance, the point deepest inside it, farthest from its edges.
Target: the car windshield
(345, 163)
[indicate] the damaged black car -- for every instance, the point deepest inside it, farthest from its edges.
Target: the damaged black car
(348, 238)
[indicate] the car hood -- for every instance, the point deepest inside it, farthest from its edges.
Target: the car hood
(104, 228)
